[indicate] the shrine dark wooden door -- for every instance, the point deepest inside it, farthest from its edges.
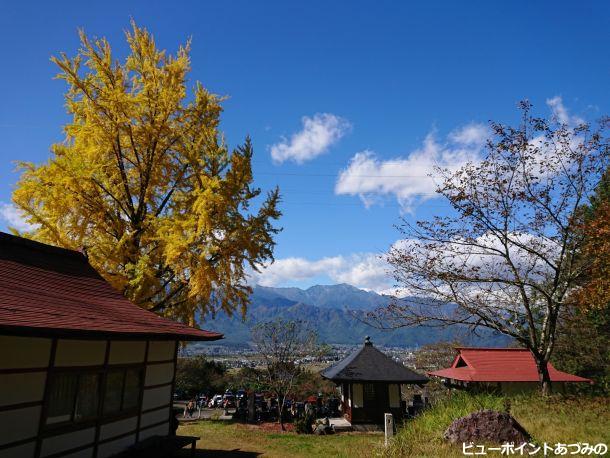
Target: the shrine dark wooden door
(376, 401)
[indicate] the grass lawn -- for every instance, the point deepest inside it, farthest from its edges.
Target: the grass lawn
(563, 420)
(556, 420)
(218, 437)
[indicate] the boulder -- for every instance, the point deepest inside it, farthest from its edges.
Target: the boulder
(486, 426)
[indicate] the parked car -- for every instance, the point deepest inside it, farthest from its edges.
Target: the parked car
(216, 401)
(228, 400)
(202, 401)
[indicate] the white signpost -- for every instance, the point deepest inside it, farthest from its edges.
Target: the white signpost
(389, 428)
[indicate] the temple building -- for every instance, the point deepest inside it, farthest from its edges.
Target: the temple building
(83, 371)
(371, 384)
(499, 370)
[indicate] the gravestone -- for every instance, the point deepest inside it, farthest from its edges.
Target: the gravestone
(251, 408)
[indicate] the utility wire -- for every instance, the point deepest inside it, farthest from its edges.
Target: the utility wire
(335, 175)
(337, 204)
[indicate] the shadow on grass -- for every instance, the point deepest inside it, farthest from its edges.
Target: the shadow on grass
(208, 453)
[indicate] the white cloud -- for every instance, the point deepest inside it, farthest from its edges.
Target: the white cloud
(409, 178)
(318, 134)
(13, 217)
(560, 112)
(483, 254)
(368, 271)
(479, 258)
(470, 135)
(365, 270)
(372, 272)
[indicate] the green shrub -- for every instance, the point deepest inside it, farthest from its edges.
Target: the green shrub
(303, 425)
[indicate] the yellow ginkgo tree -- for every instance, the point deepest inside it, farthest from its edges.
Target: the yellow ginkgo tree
(145, 183)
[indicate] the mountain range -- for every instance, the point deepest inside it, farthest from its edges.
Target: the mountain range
(333, 311)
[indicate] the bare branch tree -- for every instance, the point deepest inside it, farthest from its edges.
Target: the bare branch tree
(506, 258)
(283, 344)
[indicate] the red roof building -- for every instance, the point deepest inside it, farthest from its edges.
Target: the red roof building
(83, 371)
(509, 369)
(54, 291)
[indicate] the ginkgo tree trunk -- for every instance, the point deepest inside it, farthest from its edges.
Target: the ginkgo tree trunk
(145, 184)
(506, 257)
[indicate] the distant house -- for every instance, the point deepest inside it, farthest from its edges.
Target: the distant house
(502, 370)
(83, 371)
(371, 384)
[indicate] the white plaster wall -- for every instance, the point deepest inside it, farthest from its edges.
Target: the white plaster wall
(24, 387)
(156, 397)
(358, 395)
(156, 416)
(24, 352)
(114, 447)
(80, 352)
(21, 451)
(394, 395)
(56, 444)
(156, 374)
(118, 427)
(157, 430)
(123, 352)
(19, 424)
(161, 350)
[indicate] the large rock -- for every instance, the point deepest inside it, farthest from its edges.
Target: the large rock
(486, 426)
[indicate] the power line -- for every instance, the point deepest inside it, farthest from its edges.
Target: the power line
(335, 175)
(337, 204)
(342, 164)
(332, 192)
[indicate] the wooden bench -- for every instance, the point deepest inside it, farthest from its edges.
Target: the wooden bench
(162, 446)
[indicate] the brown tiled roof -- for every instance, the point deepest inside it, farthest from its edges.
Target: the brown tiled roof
(45, 290)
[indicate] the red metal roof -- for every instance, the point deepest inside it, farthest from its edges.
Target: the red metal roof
(45, 290)
(499, 365)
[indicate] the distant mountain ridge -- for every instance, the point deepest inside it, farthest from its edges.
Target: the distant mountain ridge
(334, 312)
(340, 296)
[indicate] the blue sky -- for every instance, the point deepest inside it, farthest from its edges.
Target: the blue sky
(332, 91)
